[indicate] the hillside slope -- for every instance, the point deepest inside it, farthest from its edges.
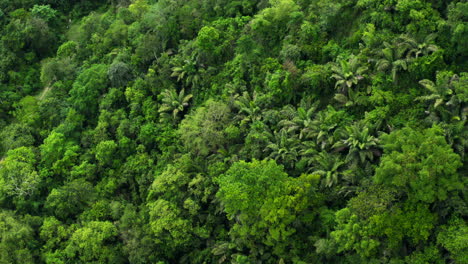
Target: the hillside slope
(216, 131)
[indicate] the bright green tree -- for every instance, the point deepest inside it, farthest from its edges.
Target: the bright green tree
(18, 175)
(16, 240)
(262, 203)
(94, 242)
(420, 164)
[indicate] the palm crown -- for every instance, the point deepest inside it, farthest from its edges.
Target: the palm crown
(173, 104)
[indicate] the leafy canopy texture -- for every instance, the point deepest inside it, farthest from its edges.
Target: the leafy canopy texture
(262, 201)
(421, 164)
(18, 176)
(242, 132)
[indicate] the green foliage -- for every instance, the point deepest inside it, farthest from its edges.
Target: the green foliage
(360, 144)
(262, 202)
(89, 85)
(167, 224)
(217, 131)
(44, 11)
(448, 96)
(18, 176)
(271, 23)
(453, 237)
(348, 73)
(119, 74)
(207, 38)
(455, 28)
(57, 153)
(16, 239)
(203, 131)
(421, 164)
(93, 243)
(173, 104)
(28, 111)
(57, 70)
(70, 199)
(352, 235)
(105, 152)
(17, 135)
(67, 49)
(328, 167)
(55, 234)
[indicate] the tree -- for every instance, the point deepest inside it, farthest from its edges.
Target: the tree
(325, 125)
(353, 98)
(449, 97)
(89, 85)
(137, 237)
(18, 176)
(44, 12)
(138, 7)
(16, 239)
(54, 234)
(94, 242)
(420, 164)
(271, 24)
(453, 237)
(119, 74)
(187, 73)
(393, 58)
(180, 202)
(262, 203)
(328, 167)
(455, 29)
(67, 49)
(283, 148)
(57, 69)
(388, 229)
(106, 152)
(27, 111)
(170, 228)
(16, 135)
(137, 174)
(173, 104)
(207, 38)
(69, 200)
(58, 154)
(203, 132)
(248, 108)
(360, 144)
(348, 73)
(420, 48)
(302, 121)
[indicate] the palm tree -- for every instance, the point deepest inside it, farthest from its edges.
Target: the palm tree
(360, 144)
(348, 73)
(416, 48)
(328, 166)
(323, 128)
(307, 152)
(396, 57)
(457, 136)
(444, 101)
(393, 58)
(353, 98)
(248, 108)
(173, 104)
(187, 74)
(283, 148)
(302, 121)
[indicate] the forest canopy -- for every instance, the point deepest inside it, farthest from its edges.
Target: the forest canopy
(247, 131)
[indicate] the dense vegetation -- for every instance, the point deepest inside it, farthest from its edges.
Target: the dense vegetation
(220, 131)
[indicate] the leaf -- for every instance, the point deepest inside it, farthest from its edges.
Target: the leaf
(341, 98)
